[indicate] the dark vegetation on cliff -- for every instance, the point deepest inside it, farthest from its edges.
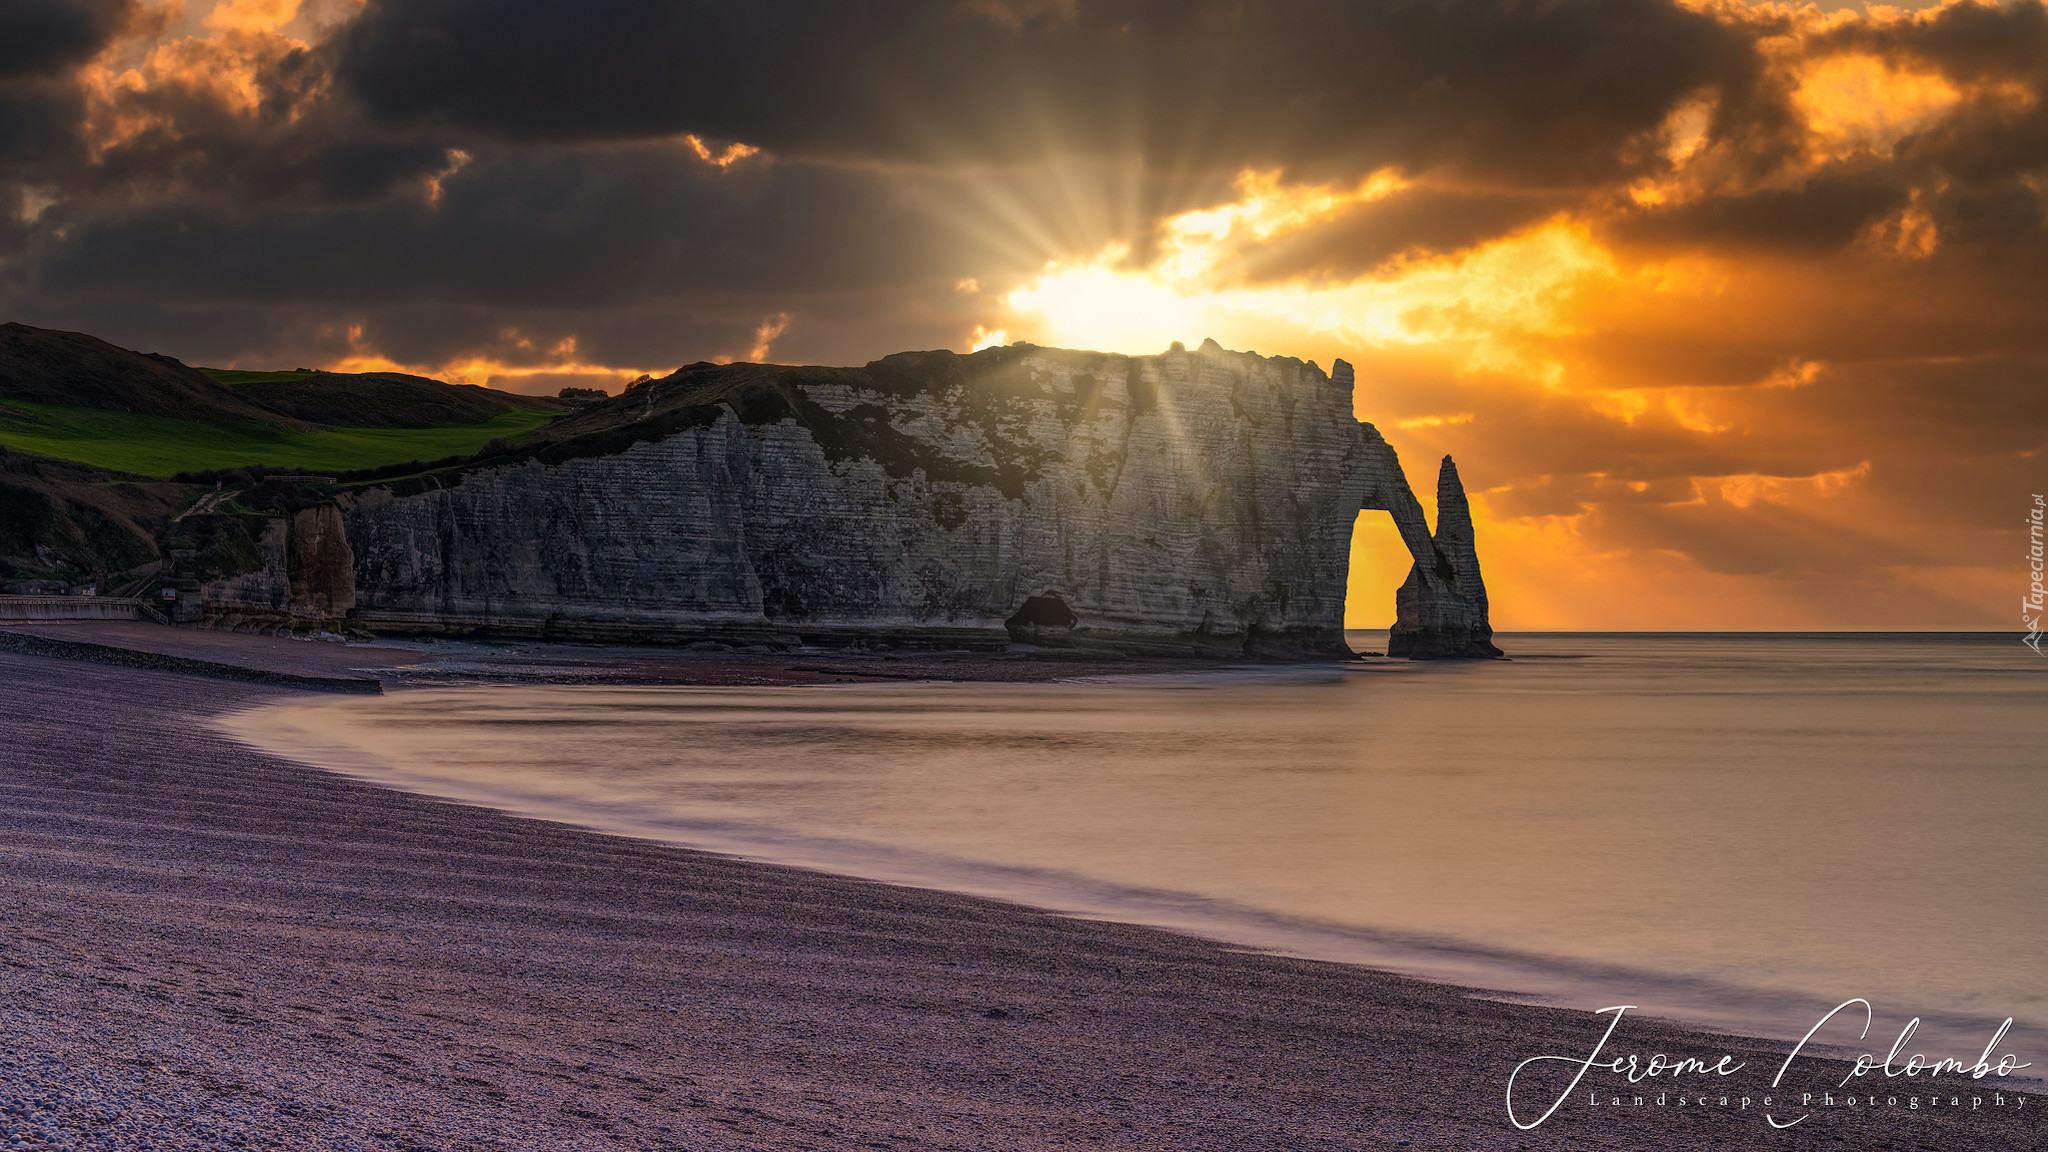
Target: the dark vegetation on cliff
(377, 399)
(161, 446)
(64, 524)
(985, 390)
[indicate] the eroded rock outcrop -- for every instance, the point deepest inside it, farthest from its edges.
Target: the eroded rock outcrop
(1441, 608)
(288, 572)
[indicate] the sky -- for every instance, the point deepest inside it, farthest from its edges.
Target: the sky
(1734, 316)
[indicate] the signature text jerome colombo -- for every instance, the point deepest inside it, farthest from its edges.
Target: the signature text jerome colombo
(1636, 1069)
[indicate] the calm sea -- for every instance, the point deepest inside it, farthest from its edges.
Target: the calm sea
(1739, 831)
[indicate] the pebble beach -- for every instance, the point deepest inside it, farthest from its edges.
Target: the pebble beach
(204, 947)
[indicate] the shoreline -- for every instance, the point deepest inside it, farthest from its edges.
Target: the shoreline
(253, 942)
(1766, 1014)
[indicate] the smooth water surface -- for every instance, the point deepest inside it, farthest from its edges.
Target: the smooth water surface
(1740, 831)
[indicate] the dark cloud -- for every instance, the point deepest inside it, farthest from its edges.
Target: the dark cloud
(1416, 221)
(38, 121)
(1548, 91)
(1972, 43)
(41, 41)
(1820, 215)
(522, 228)
(40, 37)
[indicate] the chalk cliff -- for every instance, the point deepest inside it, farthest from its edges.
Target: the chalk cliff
(1194, 502)
(1189, 502)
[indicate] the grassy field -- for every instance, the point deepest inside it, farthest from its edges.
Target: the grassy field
(162, 446)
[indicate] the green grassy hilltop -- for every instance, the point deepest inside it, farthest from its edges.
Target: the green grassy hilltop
(164, 446)
(94, 438)
(75, 397)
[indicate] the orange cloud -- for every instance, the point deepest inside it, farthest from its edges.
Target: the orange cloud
(150, 83)
(732, 153)
(1670, 414)
(516, 364)
(764, 336)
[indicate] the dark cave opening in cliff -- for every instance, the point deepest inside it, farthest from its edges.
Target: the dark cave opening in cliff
(1038, 614)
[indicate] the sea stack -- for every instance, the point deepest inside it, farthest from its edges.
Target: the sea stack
(1441, 607)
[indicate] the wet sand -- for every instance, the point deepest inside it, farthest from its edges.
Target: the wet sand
(202, 947)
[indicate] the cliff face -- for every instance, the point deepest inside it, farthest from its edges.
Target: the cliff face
(1189, 502)
(1194, 503)
(298, 572)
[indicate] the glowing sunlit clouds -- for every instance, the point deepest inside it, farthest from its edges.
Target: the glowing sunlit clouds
(765, 336)
(1101, 306)
(1197, 243)
(1752, 488)
(1679, 140)
(486, 372)
(732, 153)
(1476, 301)
(1853, 103)
(1911, 234)
(457, 161)
(243, 40)
(1106, 304)
(517, 366)
(1451, 420)
(251, 15)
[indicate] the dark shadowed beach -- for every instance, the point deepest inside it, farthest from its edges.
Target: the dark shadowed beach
(205, 947)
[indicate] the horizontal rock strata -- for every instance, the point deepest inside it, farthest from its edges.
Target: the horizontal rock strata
(1191, 502)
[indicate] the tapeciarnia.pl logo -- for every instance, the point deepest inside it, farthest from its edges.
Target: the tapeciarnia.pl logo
(2030, 607)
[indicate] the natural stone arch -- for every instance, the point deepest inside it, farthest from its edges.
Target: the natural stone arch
(1440, 611)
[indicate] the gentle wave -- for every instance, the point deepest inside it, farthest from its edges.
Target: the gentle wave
(1736, 832)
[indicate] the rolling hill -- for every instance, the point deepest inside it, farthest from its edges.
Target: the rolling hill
(72, 369)
(95, 442)
(70, 396)
(375, 399)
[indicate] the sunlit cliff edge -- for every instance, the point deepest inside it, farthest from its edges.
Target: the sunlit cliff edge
(1195, 502)
(1188, 503)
